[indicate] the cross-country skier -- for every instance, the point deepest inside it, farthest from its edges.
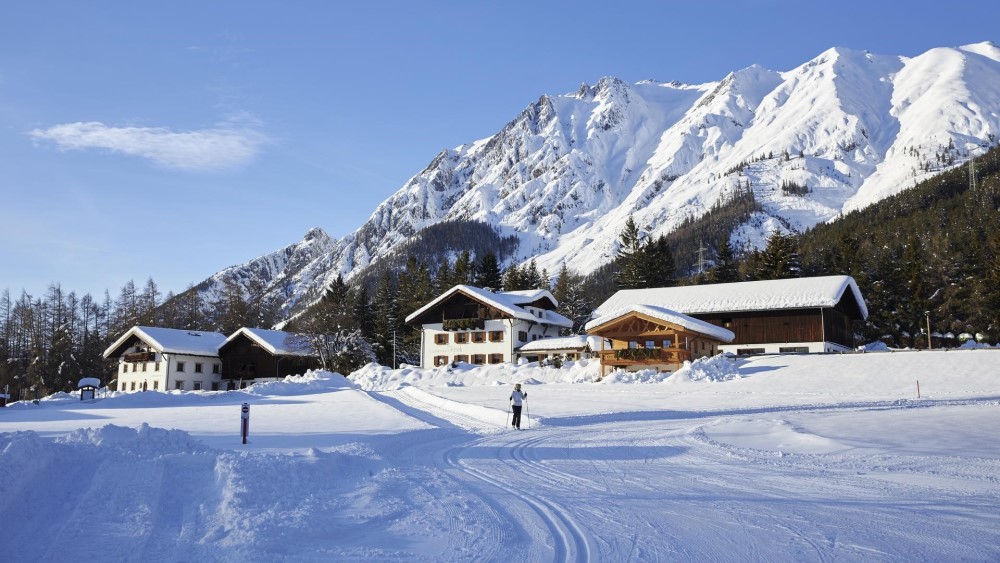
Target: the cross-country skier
(517, 399)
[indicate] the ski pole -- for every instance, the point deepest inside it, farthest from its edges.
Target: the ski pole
(527, 413)
(508, 415)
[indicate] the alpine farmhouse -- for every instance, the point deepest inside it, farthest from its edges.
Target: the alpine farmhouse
(477, 326)
(798, 315)
(167, 359)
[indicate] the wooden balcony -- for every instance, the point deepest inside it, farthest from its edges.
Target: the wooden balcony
(140, 357)
(643, 356)
(467, 323)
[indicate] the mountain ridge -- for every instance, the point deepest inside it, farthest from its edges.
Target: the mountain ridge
(847, 127)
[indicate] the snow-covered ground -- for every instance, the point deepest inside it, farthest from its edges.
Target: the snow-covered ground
(805, 458)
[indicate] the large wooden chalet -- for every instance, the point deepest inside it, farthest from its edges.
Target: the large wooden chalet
(474, 325)
(800, 315)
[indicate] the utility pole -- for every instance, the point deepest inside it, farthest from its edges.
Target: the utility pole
(972, 174)
(701, 257)
(927, 314)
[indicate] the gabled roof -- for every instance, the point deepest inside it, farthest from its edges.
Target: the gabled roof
(796, 293)
(668, 316)
(575, 342)
(508, 302)
(277, 342)
(172, 341)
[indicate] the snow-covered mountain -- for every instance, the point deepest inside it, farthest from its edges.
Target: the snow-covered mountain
(850, 126)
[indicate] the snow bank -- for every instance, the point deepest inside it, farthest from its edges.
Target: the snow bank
(144, 439)
(318, 381)
(151, 494)
(374, 377)
(717, 368)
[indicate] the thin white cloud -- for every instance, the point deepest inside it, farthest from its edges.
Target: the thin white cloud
(219, 148)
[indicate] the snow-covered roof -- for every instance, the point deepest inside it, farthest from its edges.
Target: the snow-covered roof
(666, 315)
(173, 341)
(509, 302)
(88, 382)
(576, 342)
(796, 293)
(277, 342)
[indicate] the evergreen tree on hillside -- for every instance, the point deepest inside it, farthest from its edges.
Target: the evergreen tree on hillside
(533, 278)
(658, 263)
(562, 285)
(464, 269)
(630, 261)
(361, 313)
(414, 290)
(443, 278)
(514, 279)
(780, 258)
(488, 274)
(726, 269)
(387, 320)
(573, 304)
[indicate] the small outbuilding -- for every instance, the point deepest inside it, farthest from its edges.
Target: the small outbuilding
(569, 348)
(88, 387)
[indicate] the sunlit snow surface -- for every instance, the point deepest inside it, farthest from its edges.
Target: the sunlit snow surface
(771, 458)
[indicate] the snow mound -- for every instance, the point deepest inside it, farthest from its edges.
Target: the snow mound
(144, 439)
(374, 377)
(313, 381)
(716, 368)
(877, 346)
(973, 345)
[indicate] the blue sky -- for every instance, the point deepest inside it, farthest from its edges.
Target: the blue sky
(171, 140)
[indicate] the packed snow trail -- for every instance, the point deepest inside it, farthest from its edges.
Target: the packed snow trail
(661, 489)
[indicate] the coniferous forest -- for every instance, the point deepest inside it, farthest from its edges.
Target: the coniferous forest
(930, 253)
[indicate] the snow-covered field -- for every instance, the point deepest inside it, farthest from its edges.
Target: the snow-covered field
(804, 458)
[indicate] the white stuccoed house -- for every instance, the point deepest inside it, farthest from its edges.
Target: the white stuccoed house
(167, 359)
(474, 325)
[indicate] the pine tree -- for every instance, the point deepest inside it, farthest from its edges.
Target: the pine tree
(514, 279)
(562, 285)
(629, 261)
(532, 278)
(362, 314)
(443, 279)
(386, 321)
(780, 258)
(488, 274)
(726, 268)
(658, 263)
(464, 269)
(414, 291)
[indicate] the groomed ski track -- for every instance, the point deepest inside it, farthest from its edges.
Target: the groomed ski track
(655, 486)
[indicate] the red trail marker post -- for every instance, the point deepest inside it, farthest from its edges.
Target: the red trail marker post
(245, 421)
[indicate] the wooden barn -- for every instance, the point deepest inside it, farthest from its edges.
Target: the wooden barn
(799, 315)
(255, 354)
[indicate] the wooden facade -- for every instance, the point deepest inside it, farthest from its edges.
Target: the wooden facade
(819, 324)
(458, 312)
(640, 341)
(242, 358)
